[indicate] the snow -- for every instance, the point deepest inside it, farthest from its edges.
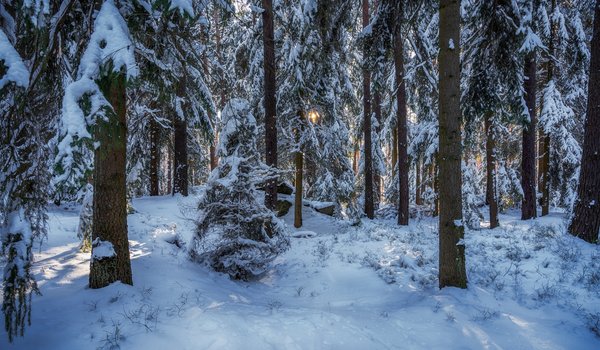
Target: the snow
(372, 286)
(102, 249)
(109, 41)
(184, 6)
(9, 57)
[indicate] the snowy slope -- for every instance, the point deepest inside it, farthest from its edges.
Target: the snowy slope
(367, 287)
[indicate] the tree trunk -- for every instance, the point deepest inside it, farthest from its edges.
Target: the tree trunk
(418, 183)
(180, 159)
(180, 156)
(452, 271)
(110, 247)
(269, 101)
(436, 186)
(368, 161)
(528, 207)
(490, 155)
(545, 168)
(544, 150)
(586, 218)
(299, 160)
(355, 158)
(403, 166)
(154, 156)
(394, 151)
(377, 175)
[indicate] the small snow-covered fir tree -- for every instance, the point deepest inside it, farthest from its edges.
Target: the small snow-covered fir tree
(236, 233)
(86, 219)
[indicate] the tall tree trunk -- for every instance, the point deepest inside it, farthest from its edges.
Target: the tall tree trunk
(401, 119)
(436, 186)
(418, 183)
(545, 167)
(490, 155)
(368, 161)
(394, 151)
(154, 156)
(355, 158)
(452, 271)
(299, 160)
(269, 101)
(544, 151)
(528, 207)
(110, 247)
(586, 218)
(180, 159)
(377, 175)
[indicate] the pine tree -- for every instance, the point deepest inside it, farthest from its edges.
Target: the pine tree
(30, 87)
(452, 271)
(97, 102)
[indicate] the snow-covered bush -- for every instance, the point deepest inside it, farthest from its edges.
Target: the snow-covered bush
(236, 233)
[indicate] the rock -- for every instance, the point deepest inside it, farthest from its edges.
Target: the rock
(282, 188)
(285, 188)
(327, 210)
(282, 208)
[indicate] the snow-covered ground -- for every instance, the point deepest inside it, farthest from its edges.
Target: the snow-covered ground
(373, 286)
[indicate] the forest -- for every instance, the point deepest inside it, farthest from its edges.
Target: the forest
(300, 174)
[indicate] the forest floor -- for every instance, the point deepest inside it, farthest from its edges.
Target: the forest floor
(373, 286)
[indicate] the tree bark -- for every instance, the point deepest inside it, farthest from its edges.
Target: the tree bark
(355, 158)
(402, 132)
(452, 271)
(299, 160)
(586, 218)
(110, 199)
(376, 175)
(154, 156)
(418, 183)
(544, 150)
(180, 159)
(528, 207)
(490, 155)
(269, 101)
(368, 161)
(394, 151)
(436, 186)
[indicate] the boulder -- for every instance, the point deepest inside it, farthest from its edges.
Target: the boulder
(282, 208)
(327, 210)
